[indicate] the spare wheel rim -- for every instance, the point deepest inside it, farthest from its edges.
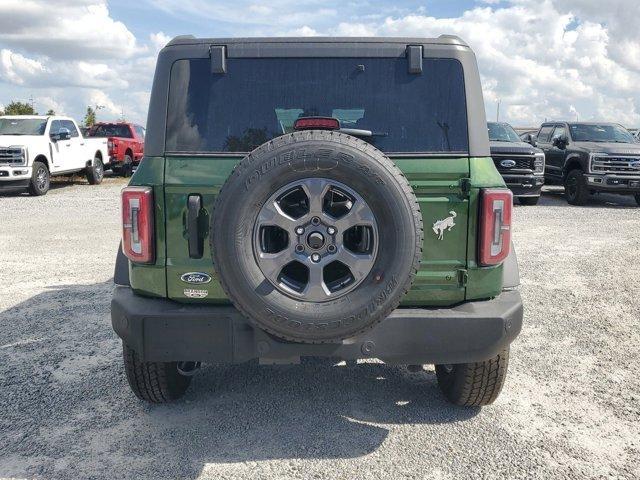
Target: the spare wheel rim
(315, 239)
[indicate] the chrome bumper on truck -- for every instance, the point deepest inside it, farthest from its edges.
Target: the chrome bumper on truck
(164, 330)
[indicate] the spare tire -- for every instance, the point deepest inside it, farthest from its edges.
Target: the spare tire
(316, 236)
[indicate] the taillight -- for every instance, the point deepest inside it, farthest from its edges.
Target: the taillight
(137, 224)
(322, 123)
(495, 226)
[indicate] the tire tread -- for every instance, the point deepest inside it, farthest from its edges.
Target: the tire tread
(151, 381)
(474, 384)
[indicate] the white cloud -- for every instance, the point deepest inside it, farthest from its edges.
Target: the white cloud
(158, 41)
(46, 103)
(304, 31)
(61, 29)
(101, 100)
(75, 52)
(14, 68)
(540, 58)
(20, 70)
(277, 14)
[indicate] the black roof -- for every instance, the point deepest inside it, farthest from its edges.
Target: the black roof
(441, 40)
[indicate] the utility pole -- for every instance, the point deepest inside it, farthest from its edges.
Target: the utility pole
(95, 110)
(32, 103)
(498, 111)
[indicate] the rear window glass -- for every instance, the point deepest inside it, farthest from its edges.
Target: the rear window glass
(259, 99)
(110, 130)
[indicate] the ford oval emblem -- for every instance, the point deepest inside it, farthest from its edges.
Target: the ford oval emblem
(507, 163)
(196, 278)
(635, 164)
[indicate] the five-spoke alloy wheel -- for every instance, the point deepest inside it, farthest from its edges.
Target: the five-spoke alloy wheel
(315, 239)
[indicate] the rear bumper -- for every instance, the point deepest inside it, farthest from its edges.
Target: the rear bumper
(524, 185)
(163, 330)
(613, 183)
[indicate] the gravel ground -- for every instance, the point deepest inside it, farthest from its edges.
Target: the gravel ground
(570, 407)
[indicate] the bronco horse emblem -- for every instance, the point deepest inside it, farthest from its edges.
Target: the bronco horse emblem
(445, 224)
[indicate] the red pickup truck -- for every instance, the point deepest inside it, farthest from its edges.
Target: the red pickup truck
(125, 142)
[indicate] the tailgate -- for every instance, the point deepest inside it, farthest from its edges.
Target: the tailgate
(438, 183)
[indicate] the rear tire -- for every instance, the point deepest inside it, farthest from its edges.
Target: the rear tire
(474, 384)
(40, 179)
(529, 201)
(575, 188)
(154, 382)
(127, 166)
(95, 173)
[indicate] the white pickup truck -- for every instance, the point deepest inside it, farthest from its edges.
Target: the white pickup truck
(35, 148)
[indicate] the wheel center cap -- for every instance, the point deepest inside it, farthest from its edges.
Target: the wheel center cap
(315, 240)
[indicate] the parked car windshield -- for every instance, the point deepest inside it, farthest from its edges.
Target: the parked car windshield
(593, 132)
(259, 99)
(110, 130)
(22, 126)
(502, 132)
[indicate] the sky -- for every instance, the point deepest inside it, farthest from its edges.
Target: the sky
(542, 59)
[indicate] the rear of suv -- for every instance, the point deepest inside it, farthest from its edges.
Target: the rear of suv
(317, 198)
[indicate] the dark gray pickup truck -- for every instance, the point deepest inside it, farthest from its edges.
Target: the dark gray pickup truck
(589, 158)
(520, 164)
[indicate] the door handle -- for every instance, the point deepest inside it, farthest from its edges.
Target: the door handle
(196, 240)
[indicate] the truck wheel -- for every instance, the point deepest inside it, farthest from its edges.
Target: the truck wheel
(95, 173)
(316, 236)
(473, 384)
(528, 200)
(40, 179)
(155, 382)
(575, 188)
(127, 166)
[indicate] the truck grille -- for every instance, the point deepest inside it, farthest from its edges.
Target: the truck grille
(524, 163)
(11, 156)
(618, 165)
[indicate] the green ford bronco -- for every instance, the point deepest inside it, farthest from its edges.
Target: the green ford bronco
(324, 197)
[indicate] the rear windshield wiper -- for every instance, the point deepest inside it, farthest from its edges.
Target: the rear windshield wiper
(357, 132)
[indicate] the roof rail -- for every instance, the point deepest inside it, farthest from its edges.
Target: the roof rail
(180, 37)
(453, 37)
